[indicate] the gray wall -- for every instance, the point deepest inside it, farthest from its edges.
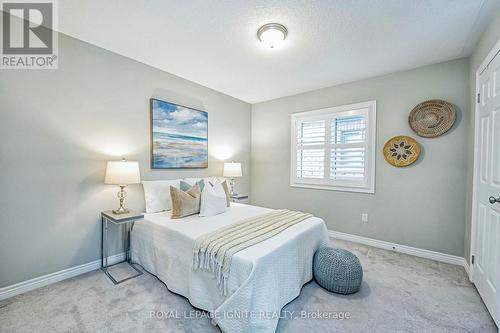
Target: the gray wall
(483, 47)
(57, 130)
(421, 205)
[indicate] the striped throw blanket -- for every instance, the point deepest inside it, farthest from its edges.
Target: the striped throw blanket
(214, 251)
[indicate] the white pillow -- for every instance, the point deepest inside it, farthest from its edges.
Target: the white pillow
(213, 200)
(213, 179)
(192, 181)
(157, 194)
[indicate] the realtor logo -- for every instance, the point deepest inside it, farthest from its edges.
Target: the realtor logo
(29, 40)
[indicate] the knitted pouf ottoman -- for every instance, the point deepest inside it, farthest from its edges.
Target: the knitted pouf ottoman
(337, 270)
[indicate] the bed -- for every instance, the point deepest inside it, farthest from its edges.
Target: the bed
(264, 277)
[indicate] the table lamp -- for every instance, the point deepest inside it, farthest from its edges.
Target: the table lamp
(232, 170)
(122, 173)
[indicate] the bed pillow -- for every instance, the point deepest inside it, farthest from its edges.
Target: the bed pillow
(225, 188)
(185, 203)
(186, 185)
(228, 194)
(191, 181)
(213, 179)
(157, 194)
(213, 199)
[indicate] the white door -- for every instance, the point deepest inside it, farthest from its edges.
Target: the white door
(486, 267)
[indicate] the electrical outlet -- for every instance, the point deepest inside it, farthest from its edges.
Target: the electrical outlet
(364, 218)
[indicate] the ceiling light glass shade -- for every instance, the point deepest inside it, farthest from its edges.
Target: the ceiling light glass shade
(272, 34)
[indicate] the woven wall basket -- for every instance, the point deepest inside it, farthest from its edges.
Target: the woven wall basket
(401, 151)
(432, 118)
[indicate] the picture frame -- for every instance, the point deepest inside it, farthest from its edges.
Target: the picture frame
(179, 136)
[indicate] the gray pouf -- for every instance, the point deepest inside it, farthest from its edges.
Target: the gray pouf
(337, 270)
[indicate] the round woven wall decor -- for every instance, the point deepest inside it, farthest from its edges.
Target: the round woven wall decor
(401, 151)
(432, 118)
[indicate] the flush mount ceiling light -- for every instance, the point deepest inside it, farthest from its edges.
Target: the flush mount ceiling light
(272, 34)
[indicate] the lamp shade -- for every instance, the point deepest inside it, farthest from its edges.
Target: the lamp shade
(122, 173)
(232, 170)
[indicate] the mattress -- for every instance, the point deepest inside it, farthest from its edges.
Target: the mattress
(263, 278)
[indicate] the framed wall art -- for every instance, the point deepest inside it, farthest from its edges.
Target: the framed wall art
(179, 136)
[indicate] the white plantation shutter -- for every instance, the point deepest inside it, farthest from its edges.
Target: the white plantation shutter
(334, 148)
(311, 149)
(348, 148)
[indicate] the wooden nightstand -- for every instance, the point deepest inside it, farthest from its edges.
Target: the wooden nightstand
(126, 221)
(238, 197)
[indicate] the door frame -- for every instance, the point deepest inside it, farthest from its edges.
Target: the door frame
(491, 55)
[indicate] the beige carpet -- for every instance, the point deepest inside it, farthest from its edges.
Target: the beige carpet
(400, 293)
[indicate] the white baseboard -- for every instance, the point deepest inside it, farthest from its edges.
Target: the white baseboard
(45, 280)
(467, 269)
(438, 256)
(41, 281)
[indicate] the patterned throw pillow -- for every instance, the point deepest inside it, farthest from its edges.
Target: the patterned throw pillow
(185, 203)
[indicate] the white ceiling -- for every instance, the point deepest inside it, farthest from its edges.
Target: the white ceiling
(214, 42)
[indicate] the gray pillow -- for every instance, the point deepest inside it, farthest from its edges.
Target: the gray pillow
(185, 186)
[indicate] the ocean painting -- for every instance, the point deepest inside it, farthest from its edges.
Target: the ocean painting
(179, 136)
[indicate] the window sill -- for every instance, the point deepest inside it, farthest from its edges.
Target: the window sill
(335, 188)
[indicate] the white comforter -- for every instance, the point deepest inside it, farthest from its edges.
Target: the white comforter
(263, 278)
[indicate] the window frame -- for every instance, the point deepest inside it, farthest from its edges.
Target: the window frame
(327, 114)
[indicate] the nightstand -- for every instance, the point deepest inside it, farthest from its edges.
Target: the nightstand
(126, 222)
(238, 197)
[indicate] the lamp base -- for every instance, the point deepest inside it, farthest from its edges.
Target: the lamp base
(233, 192)
(121, 195)
(121, 210)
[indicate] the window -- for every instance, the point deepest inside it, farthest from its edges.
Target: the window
(334, 148)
